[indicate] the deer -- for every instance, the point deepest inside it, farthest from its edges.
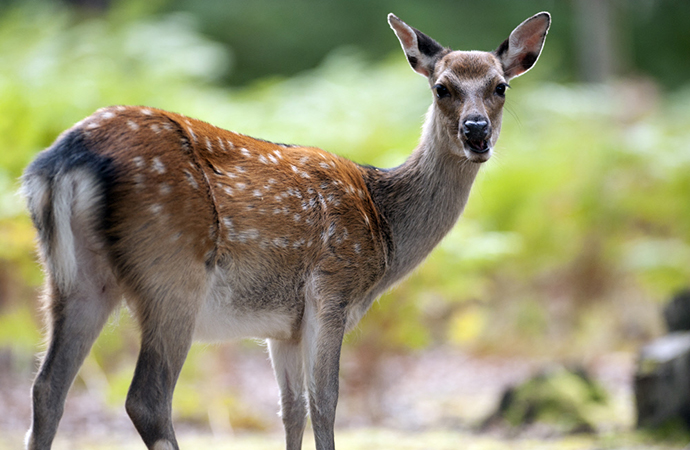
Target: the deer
(207, 234)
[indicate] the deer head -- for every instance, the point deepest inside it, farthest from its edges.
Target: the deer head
(470, 86)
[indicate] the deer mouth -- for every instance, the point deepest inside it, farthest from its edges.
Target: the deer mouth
(478, 151)
(478, 145)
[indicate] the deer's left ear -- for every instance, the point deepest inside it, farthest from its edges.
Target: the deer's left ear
(422, 52)
(520, 51)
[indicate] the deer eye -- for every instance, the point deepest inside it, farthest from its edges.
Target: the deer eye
(501, 89)
(441, 91)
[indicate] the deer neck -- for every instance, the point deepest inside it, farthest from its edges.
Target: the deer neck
(422, 199)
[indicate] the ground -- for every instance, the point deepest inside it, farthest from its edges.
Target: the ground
(428, 400)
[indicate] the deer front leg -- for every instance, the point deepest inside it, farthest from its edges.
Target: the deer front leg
(288, 365)
(323, 338)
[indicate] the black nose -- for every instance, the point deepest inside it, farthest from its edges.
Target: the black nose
(475, 129)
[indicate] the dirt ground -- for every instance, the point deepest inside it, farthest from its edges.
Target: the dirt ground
(432, 399)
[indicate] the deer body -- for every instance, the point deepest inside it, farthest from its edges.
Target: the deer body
(210, 234)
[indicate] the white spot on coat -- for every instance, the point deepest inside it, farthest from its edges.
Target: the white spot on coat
(191, 132)
(132, 125)
(158, 166)
(190, 179)
(251, 234)
(281, 242)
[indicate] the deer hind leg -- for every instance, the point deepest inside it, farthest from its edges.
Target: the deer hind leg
(167, 315)
(76, 316)
(287, 360)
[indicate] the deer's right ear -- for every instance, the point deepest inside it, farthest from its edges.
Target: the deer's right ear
(422, 52)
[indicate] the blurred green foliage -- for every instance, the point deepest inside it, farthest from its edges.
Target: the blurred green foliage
(573, 231)
(286, 37)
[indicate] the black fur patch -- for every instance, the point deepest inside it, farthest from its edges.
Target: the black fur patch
(528, 60)
(67, 153)
(502, 48)
(427, 46)
(413, 61)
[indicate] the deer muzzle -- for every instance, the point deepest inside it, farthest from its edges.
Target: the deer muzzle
(476, 133)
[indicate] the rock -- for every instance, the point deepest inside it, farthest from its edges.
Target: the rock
(677, 312)
(662, 381)
(568, 401)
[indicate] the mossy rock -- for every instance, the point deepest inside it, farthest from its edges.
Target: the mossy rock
(569, 401)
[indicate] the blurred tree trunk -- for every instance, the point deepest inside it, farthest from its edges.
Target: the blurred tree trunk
(596, 39)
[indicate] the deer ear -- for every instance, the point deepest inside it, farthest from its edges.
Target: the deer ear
(422, 52)
(521, 50)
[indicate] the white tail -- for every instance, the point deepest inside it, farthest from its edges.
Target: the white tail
(215, 235)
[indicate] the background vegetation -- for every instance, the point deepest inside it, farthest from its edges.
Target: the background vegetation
(573, 236)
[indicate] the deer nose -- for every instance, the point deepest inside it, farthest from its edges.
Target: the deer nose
(475, 129)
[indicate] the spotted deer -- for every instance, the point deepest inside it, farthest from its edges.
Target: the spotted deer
(210, 234)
